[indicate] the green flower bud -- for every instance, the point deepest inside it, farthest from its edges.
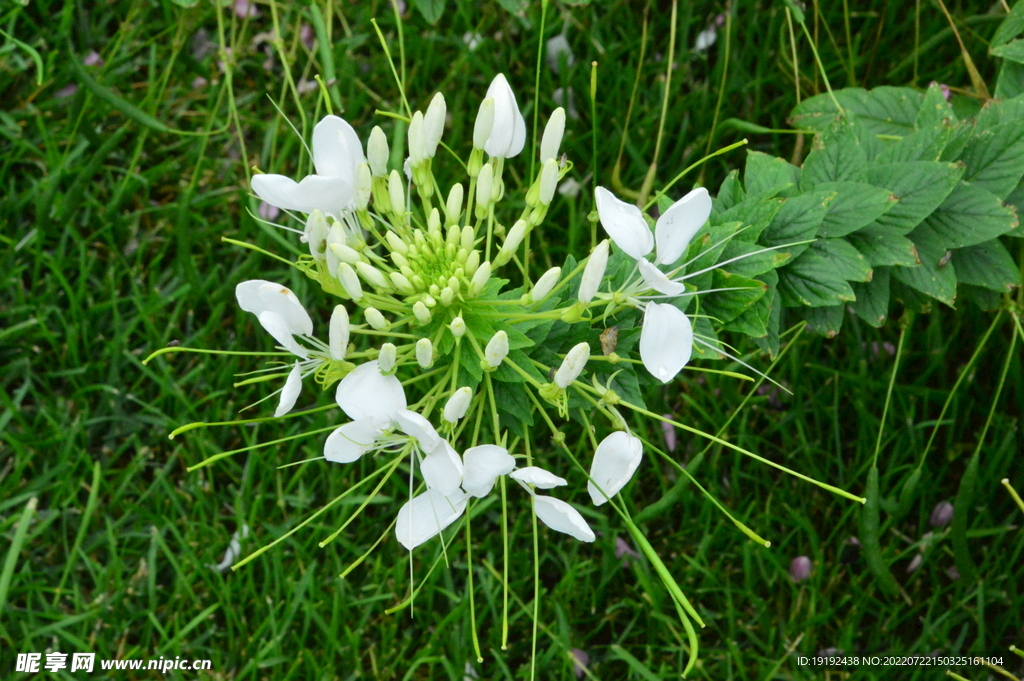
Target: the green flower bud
(402, 283)
(386, 359)
(457, 327)
(484, 123)
(454, 284)
(395, 243)
(424, 352)
(434, 222)
(593, 273)
(377, 152)
(396, 192)
(345, 254)
(373, 276)
(316, 234)
(399, 260)
(497, 349)
(458, 404)
(364, 186)
(421, 312)
(572, 365)
(548, 181)
(468, 238)
(447, 296)
(453, 208)
(483, 189)
(375, 319)
(552, 138)
(472, 263)
(433, 125)
(415, 135)
(480, 278)
(545, 284)
(350, 282)
(512, 241)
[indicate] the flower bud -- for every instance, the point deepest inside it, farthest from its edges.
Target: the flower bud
(480, 278)
(344, 254)
(484, 185)
(402, 283)
(386, 359)
(545, 284)
(424, 353)
(375, 319)
(373, 276)
(421, 312)
(454, 284)
(458, 404)
(416, 139)
(337, 335)
(395, 243)
(453, 207)
(434, 222)
(572, 365)
(552, 138)
(316, 234)
(377, 152)
(484, 123)
(447, 296)
(349, 281)
(497, 349)
(467, 240)
(472, 263)
(433, 125)
(593, 273)
(511, 243)
(548, 182)
(396, 192)
(364, 188)
(457, 327)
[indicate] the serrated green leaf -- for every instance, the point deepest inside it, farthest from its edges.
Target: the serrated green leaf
(935, 276)
(514, 408)
(754, 214)
(725, 306)
(755, 319)
(920, 186)
(1012, 51)
(882, 248)
(996, 111)
(984, 298)
(812, 280)
(751, 265)
(884, 110)
(872, 304)
(855, 205)
(995, 158)
(943, 141)
(729, 194)
(970, 215)
(432, 10)
(765, 173)
(770, 342)
(935, 110)
(845, 259)
(836, 155)
(825, 321)
(798, 220)
(988, 265)
(1011, 27)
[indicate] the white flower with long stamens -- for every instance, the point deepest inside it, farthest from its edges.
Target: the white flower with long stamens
(615, 461)
(283, 316)
(508, 131)
(426, 515)
(337, 153)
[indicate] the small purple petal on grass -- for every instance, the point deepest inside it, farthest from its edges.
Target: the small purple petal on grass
(66, 91)
(942, 514)
(244, 9)
(952, 572)
(669, 431)
(268, 212)
(720, 20)
(580, 660)
(800, 568)
(305, 86)
(915, 564)
(307, 36)
(199, 82)
(945, 90)
(622, 548)
(93, 59)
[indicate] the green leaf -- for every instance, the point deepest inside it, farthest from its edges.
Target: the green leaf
(1012, 51)
(970, 215)
(935, 276)
(515, 7)
(996, 111)
(755, 214)
(881, 247)
(729, 194)
(798, 220)
(935, 110)
(836, 155)
(987, 265)
(942, 141)
(825, 321)
(751, 265)
(431, 9)
(766, 173)
(995, 158)
(920, 186)
(1012, 26)
(514, 408)
(755, 319)
(846, 261)
(1010, 81)
(884, 110)
(986, 299)
(725, 306)
(855, 205)
(770, 342)
(872, 304)
(817, 278)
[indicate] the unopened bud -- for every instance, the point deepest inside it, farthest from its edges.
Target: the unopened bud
(424, 353)
(337, 338)
(377, 152)
(396, 192)
(434, 222)
(572, 365)
(552, 138)
(375, 319)
(458, 404)
(373, 276)
(386, 359)
(512, 241)
(402, 283)
(545, 284)
(484, 123)
(395, 243)
(364, 186)
(345, 254)
(447, 296)
(548, 182)
(497, 349)
(316, 234)
(480, 278)
(457, 327)
(453, 207)
(433, 125)
(593, 273)
(416, 139)
(421, 312)
(349, 281)
(467, 240)
(484, 185)
(454, 284)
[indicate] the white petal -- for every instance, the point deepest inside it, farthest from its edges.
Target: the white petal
(259, 295)
(657, 279)
(426, 515)
(483, 465)
(538, 477)
(624, 223)
(442, 469)
(615, 461)
(282, 333)
(508, 132)
(666, 340)
(414, 424)
(367, 394)
(337, 151)
(332, 195)
(562, 517)
(678, 224)
(351, 441)
(290, 391)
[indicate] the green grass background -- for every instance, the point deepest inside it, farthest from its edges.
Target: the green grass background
(111, 248)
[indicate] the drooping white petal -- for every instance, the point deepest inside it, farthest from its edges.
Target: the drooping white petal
(678, 224)
(367, 394)
(337, 151)
(332, 195)
(415, 425)
(562, 517)
(424, 516)
(338, 333)
(442, 469)
(259, 295)
(624, 223)
(351, 441)
(290, 391)
(615, 461)
(657, 279)
(483, 465)
(508, 132)
(538, 477)
(282, 333)
(666, 340)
